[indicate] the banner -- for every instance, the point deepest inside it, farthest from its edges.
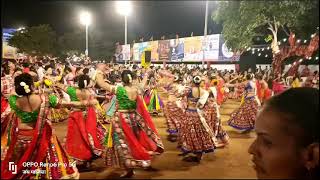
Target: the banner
(8, 52)
(125, 52)
(138, 49)
(225, 54)
(211, 47)
(176, 49)
(153, 46)
(164, 50)
(193, 49)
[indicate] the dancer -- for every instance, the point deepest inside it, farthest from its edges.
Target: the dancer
(28, 136)
(134, 138)
(55, 115)
(85, 134)
(244, 117)
(173, 109)
(195, 135)
(221, 137)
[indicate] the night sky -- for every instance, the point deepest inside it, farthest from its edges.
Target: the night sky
(148, 17)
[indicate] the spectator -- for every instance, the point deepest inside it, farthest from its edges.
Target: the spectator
(287, 143)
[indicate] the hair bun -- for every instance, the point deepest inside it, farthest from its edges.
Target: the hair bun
(197, 79)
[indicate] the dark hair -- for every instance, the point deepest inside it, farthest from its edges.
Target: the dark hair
(249, 76)
(85, 71)
(27, 79)
(81, 81)
(196, 80)
(67, 69)
(47, 67)
(301, 107)
(125, 76)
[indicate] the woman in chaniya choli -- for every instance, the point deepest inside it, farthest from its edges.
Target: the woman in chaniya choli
(29, 137)
(221, 136)
(132, 138)
(152, 98)
(196, 134)
(173, 109)
(244, 117)
(85, 134)
(55, 115)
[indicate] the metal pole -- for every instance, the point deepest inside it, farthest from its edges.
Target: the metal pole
(87, 51)
(205, 32)
(125, 29)
(125, 33)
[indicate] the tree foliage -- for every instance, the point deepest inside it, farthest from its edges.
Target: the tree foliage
(244, 20)
(37, 40)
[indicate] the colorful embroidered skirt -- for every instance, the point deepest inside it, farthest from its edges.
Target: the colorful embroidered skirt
(132, 141)
(173, 115)
(55, 161)
(193, 137)
(244, 118)
(83, 139)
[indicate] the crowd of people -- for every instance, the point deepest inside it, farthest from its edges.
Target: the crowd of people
(109, 108)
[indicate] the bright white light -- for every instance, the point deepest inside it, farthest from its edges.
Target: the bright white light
(21, 28)
(252, 52)
(298, 40)
(124, 7)
(317, 58)
(258, 50)
(285, 39)
(289, 65)
(312, 35)
(279, 43)
(259, 54)
(309, 57)
(249, 49)
(266, 55)
(85, 18)
(304, 41)
(268, 48)
(294, 63)
(300, 60)
(262, 49)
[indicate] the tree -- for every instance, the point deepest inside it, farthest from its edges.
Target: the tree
(37, 40)
(244, 20)
(71, 43)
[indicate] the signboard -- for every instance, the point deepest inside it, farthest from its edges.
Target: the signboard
(125, 52)
(176, 49)
(164, 50)
(211, 47)
(225, 54)
(193, 49)
(8, 52)
(153, 46)
(138, 49)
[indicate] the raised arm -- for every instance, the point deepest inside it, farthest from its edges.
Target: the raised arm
(104, 85)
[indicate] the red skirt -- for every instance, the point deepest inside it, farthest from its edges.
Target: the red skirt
(214, 121)
(133, 136)
(4, 104)
(82, 141)
(193, 137)
(173, 114)
(244, 118)
(37, 147)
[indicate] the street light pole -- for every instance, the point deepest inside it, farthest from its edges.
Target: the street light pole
(85, 19)
(87, 49)
(125, 30)
(205, 32)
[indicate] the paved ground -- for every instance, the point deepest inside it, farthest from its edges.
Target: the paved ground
(229, 162)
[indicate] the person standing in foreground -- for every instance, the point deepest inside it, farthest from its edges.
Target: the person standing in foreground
(287, 143)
